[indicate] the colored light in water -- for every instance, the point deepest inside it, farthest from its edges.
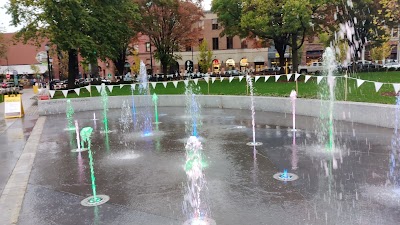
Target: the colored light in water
(285, 174)
(155, 100)
(293, 97)
(147, 134)
(86, 135)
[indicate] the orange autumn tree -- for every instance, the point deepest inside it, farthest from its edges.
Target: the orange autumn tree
(170, 24)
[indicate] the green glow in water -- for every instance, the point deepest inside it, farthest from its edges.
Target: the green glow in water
(155, 99)
(86, 132)
(104, 100)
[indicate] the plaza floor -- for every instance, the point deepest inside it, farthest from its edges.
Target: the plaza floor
(145, 179)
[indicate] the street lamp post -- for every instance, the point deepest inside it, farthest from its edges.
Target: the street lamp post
(47, 48)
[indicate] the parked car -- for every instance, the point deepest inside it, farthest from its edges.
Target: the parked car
(230, 73)
(391, 65)
(10, 88)
(315, 67)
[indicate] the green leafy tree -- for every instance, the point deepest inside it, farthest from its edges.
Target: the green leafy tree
(169, 24)
(88, 28)
(205, 56)
(381, 52)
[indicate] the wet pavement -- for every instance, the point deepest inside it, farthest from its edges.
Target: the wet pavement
(145, 180)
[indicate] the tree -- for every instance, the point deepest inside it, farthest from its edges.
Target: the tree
(381, 52)
(88, 28)
(205, 57)
(169, 24)
(3, 46)
(36, 70)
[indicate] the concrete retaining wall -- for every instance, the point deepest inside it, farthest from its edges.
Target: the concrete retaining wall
(366, 113)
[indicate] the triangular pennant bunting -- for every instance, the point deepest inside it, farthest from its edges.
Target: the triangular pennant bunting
(52, 92)
(289, 76)
(65, 93)
(77, 91)
(222, 78)
(175, 82)
(277, 77)
(110, 88)
(186, 82)
(230, 79)
(360, 82)
(88, 88)
(378, 86)
(266, 78)
(396, 88)
(256, 79)
(121, 85)
(296, 76)
(206, 79)
(319, 78)
(98, 87)
(240, 78)
(165, 84)
(307, 78)
(213, 79)
(196, 81)
(133, 86)
(153, 84)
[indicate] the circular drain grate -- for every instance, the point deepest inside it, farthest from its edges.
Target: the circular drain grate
(79, 150)
(254, 143)
(91, 201)
(202, 221)
(286, 176)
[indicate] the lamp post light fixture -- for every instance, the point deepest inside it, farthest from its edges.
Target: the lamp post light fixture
(47, 48)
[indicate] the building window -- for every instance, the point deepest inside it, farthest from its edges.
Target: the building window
(395, 32)
(229, 42)
(243, 44)
(147, 46)
(214, 24)
(215, 44)
(188, 48)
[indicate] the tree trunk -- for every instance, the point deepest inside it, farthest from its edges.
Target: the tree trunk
(295, 54)
(120, 63)
(73, 69)
(280, 48)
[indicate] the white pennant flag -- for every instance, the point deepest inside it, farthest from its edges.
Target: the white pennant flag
(240, 78)
(133, 86)
(277, 77)
(378, 86)
(319, 78)
(175, 82)
(296, 76)
(65, 93)
(110, 88)
(98, 87)
(257, 77)
(266, 78)
(288, 76)
(222, 78)
(230, 79)
(121, 85)
(186, 82)
(196, 81)
(165, 84)
(77, 91)
(153, 84)
(360, 82)
(88, 88)
(396, 88)
(307, 78)
(206, 79)
(52, 92)
(213, 79)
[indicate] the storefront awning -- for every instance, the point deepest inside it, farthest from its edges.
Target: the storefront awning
(22, 69)
(230, 62)
(259, 58)
(243, 62)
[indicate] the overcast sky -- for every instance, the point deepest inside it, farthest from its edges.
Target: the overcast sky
(5, 18)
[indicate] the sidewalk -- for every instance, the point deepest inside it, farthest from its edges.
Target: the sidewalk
(27, 102)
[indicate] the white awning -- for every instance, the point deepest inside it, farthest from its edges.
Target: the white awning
(259, 58)
(230, 62)
(22, 69)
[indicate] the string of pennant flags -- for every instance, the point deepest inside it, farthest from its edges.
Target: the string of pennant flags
(377, 85)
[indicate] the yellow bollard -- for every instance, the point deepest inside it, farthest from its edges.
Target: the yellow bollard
(35, 89)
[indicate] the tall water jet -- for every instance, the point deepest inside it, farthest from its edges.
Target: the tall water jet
(133, 107)
(249, 80)
(394, 163)
(326, 135)
(70, 116)
(155, 101)
(145, 115)
(78, 141)
(293, 97)
(104, 101)
(192, 109)
(95, 199)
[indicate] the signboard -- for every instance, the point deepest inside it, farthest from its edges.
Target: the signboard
(189, 66)
(109, 75)
(13, 107)
(41, 57)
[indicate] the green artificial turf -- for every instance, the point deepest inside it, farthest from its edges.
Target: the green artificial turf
(365, 93)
